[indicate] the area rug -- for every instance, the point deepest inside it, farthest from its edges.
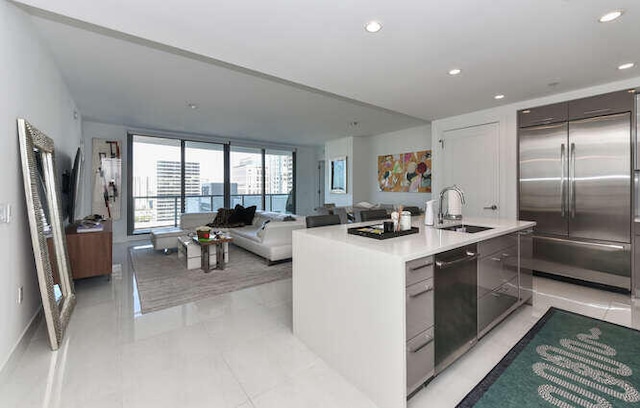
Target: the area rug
(164, 281)
(565, 360)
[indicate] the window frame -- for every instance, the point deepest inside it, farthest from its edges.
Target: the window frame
(226, 146)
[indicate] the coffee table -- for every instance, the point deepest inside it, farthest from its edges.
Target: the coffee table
(205, 246)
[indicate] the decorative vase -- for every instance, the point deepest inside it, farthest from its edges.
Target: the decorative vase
(203, 232)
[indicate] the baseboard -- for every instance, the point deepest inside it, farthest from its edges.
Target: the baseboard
(21, 346)
(582, 282)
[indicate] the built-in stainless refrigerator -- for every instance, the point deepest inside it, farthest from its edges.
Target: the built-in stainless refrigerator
(575, 175)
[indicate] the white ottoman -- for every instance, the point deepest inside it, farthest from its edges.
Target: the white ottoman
(165, 238)
(191, 253)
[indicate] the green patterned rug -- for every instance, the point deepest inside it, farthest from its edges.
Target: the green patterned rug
(565, 360)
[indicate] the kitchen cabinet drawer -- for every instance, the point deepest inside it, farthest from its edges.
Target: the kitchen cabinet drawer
(600, 105)
(543, 115)
(497, 269)
(419, 304)
(493, 245)
(495, 303)
(419, 270)
(420, 359)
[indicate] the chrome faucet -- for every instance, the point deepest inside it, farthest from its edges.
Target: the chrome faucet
(441, 214)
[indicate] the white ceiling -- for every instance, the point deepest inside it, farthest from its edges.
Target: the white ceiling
(514, 47)
(118, 81)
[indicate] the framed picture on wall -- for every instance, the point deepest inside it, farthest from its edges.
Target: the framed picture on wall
(405, 172)
(339, 175)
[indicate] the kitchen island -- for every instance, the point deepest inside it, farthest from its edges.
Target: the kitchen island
(390, 314)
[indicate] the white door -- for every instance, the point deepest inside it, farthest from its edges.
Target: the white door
(469, 158)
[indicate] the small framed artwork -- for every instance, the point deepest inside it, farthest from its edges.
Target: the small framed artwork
(339, 175)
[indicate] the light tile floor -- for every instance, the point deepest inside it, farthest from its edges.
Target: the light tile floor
(236, 351)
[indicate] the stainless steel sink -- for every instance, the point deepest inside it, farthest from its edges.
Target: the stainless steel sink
(470, 229)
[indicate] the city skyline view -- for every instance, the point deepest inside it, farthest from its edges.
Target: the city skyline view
(157, 173)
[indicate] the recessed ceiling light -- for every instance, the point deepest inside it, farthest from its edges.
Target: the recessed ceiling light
(610, 16)
(500, 96)
(627, 65)
(455, 71)
(192, 105)
(373, 26)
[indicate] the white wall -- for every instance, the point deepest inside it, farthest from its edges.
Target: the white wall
(91, 130)
(407, 140)
(339, 148)
(32, 88)
(360, 171)
(307, 179)
(506, 117)
(362, 166)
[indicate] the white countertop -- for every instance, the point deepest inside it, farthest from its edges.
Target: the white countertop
(428, 241)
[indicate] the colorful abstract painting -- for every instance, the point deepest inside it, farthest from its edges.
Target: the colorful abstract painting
(405, 172)
(106, 167)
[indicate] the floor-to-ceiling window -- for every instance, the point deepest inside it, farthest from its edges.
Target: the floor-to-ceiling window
(204, 176)
(278, 173)
(247, 176)
(170, 176)
(156, 183)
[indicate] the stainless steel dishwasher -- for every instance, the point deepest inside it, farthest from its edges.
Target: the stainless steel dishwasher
(456, 304)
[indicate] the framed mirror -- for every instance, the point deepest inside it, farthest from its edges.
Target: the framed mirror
(339, 175)
(42, 193)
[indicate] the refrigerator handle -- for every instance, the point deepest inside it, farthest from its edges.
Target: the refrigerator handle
(563, 181)
(572, 178)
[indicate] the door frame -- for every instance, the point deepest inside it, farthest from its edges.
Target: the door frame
(320, 178)
(506, 155)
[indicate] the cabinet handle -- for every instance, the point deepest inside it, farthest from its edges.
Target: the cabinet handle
(563, 200)
(496, 259)
(542, 121)
(608, 247)
(427, 288)
(428, 340)
(447, 264)
(417, 268)
(572, 184)
(500, 291)
(591, 112)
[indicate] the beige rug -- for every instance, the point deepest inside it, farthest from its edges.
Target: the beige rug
(164, 281)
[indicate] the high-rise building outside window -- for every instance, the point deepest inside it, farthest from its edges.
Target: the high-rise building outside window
(207, 193)
(168, 177)
(246, 173)
(155, 182)
(278, 173)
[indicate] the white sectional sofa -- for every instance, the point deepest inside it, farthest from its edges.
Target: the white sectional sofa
(271, 240)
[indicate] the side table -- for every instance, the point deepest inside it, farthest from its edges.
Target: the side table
(205, 246)
(90, 253)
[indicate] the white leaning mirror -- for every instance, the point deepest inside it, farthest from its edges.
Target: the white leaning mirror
(49, 243)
